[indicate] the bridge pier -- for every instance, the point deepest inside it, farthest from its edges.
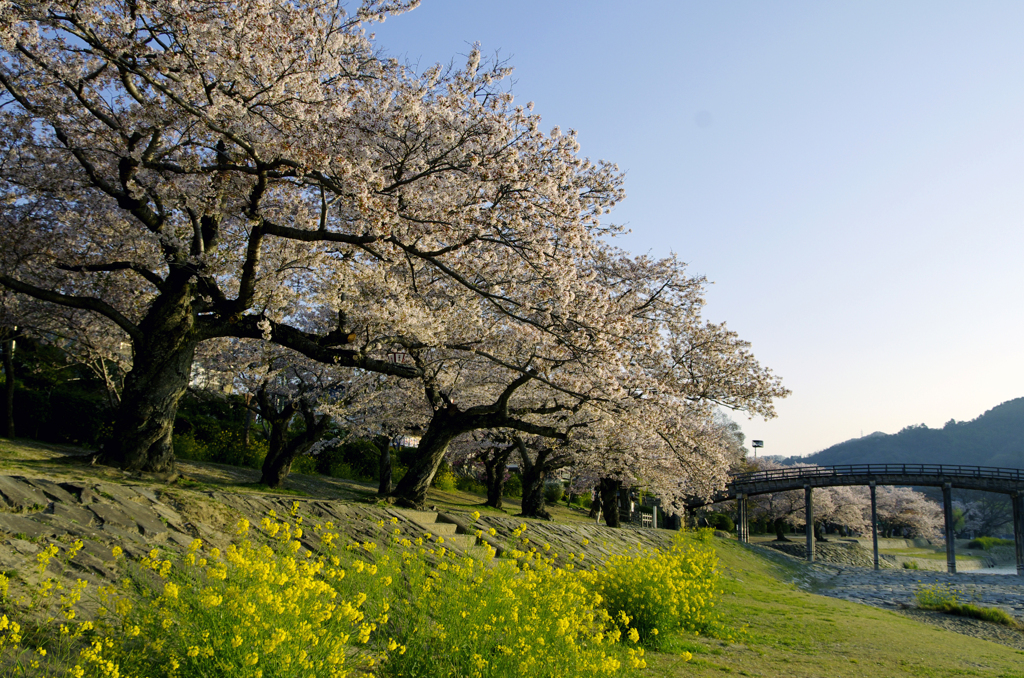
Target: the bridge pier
(809, 515)
(1017, 499)
(874, 522)
(947, 512)
(742, 522)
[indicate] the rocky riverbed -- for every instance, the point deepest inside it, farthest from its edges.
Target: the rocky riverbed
(894, 589)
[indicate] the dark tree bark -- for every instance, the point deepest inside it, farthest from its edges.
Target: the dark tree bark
(818, 534)
(164, 348)
(281, 452)
(7, 343)
(448, 422)
(780, 530)
(444, 427)
(495, 465)
(609, 491)
(536, 471)
(595, 506)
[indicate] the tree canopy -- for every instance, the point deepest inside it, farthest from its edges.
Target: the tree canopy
(192, 171)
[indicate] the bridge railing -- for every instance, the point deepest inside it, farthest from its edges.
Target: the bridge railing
(948, 470)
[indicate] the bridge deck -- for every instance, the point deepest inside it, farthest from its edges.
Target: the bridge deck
(986, 478)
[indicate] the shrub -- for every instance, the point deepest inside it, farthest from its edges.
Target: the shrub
(266, 607)
(581, 500)
(513, 486)
(650, 591)
(356, 459)
(305, 465)
(227, 447)
(935, 596)
(988, 542)
(720, 521)
(444, 479)
(553, 490)
(467, 484)
(942, 598)
(910, 565)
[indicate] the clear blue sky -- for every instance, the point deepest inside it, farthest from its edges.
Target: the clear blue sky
(849, 174)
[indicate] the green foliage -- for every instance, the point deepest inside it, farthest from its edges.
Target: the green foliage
(444, 479)
(467, 484)
(226, 447)
(910, 565)
(935, 596)
(720, 521)
(581, 500)
(553, 490)
(57, 401)
(989, 614)
(942, 598)
(987, 543)
(649, 591)
(305, 465)
(356, 459)
(513, 487)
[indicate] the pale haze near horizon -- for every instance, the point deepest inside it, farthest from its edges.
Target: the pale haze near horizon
(849, 175)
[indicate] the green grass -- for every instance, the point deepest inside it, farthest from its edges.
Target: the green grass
(988, 542)
(989, 614)
(793, 633)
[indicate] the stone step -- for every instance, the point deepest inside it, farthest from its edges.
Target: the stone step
(428, 520)
(419, 517)
(460, 541)
(453, 538)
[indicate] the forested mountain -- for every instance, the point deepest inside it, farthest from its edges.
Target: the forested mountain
(996, 438)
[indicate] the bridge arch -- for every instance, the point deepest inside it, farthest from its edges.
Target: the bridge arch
(985, 478)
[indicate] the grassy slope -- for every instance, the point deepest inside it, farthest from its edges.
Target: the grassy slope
(793, 633)
(790, 633)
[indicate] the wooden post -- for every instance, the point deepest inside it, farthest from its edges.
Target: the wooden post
(1017, 498)
(874, 522)
(809, 515)
(947, 512)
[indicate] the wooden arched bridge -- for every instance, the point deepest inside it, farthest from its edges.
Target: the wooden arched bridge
(1008, 481)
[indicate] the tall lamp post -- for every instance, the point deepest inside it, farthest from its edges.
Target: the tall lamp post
(756, 444)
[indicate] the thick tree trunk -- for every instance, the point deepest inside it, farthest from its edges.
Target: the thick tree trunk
(534, 475)
(609, 490)
(161, 370)
(281, 452)
(495, 464)
(8, 404)
(533, 495)
(818, 534)
(780, 530)
(412, 489)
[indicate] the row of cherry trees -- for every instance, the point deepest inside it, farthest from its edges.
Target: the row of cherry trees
(254, 187)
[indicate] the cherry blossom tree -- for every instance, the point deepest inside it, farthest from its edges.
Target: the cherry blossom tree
(904, 512)
(200, 170)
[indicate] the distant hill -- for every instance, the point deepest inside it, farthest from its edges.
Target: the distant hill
(996, 438)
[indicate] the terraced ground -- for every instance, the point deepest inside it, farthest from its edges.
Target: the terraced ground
(786, 629)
